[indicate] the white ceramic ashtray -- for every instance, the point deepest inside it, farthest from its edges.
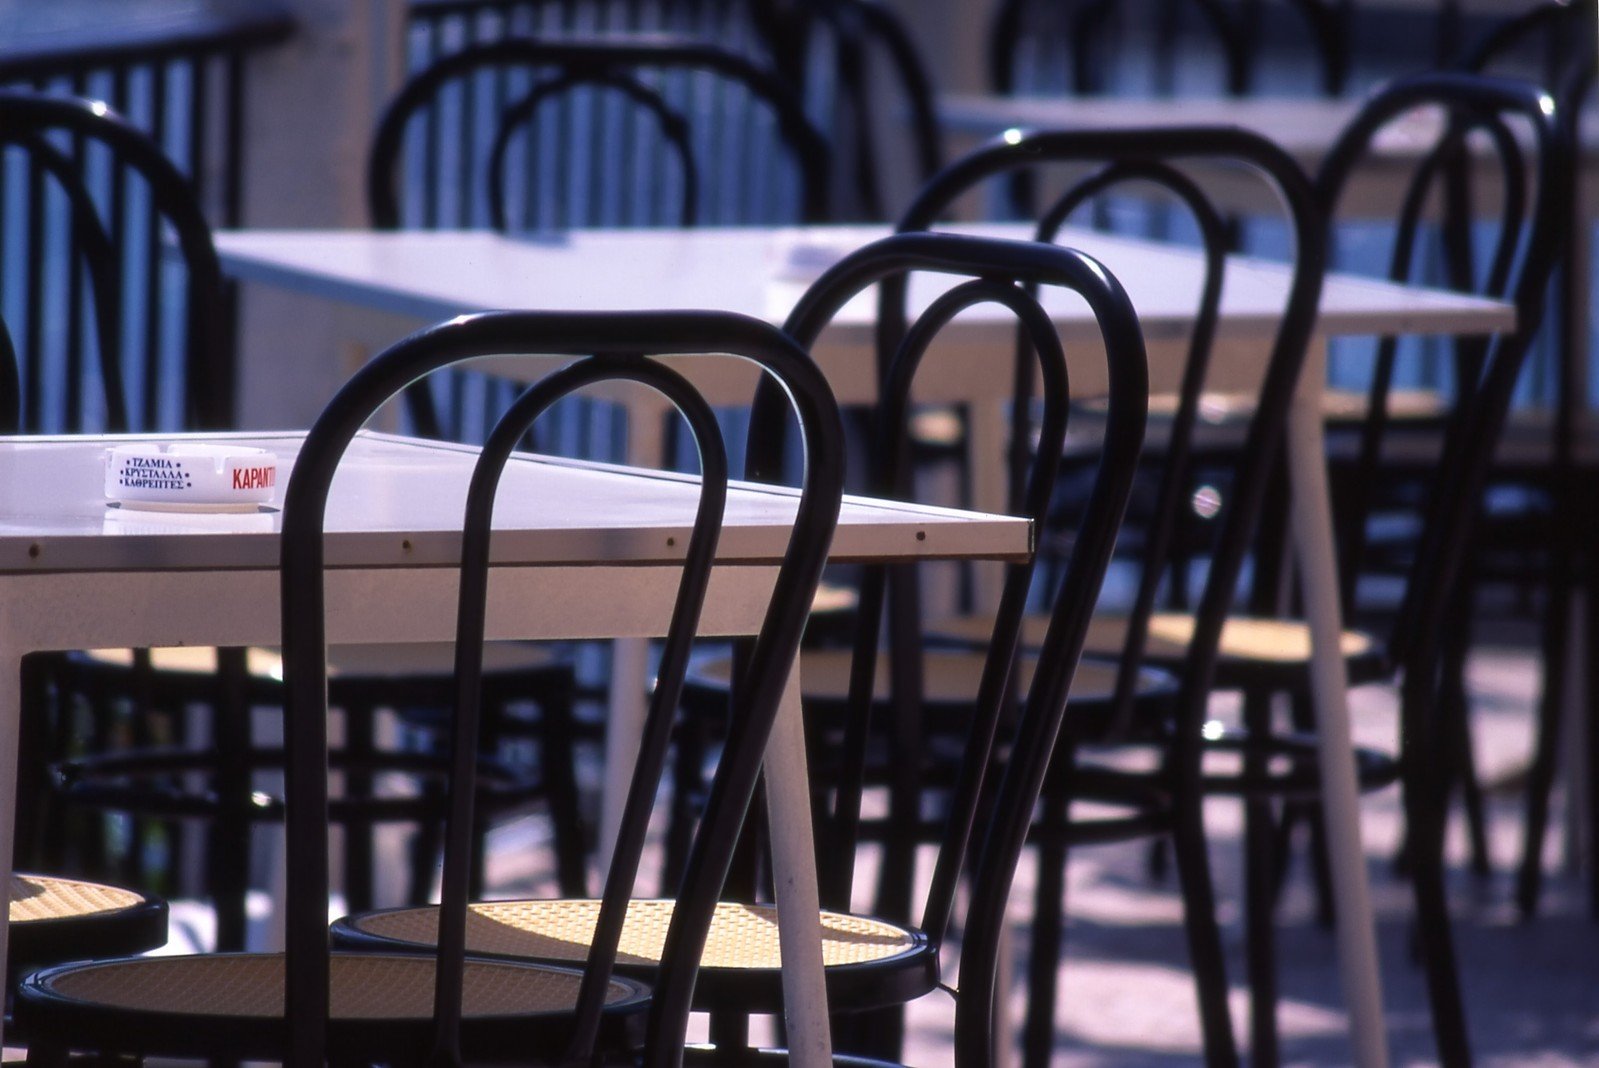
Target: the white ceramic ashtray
(190, 477)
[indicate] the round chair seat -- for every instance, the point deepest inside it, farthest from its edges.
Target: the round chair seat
(55, 919)
(1272, 653)
(381, 1005)
(741, 965)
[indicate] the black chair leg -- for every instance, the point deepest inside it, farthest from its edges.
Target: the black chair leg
(1199, 923)
(1455, 719)
(1591, 758)
(557, 757)
(1043, 964)
(227, 849)
(1546, 744)
(1424, 816)
(1260, 892)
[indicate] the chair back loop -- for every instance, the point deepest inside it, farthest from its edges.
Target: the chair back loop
(608, 347)
(1001, 273)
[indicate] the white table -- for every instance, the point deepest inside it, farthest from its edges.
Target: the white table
(580, 551)
(425, 276)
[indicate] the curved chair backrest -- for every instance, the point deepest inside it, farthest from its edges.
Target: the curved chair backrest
(1175, 471)
(865, 83)
(607, 347)
(117, 198)
(1483, 126)
(605, 125)
(591, 163)
(1001, 273)
(1042, 46)
(1240, 515)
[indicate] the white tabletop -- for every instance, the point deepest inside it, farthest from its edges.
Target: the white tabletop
(399, 502)
(432, 275)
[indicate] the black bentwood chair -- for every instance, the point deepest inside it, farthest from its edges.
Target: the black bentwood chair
(121, 716)
(1553, 43)
(872, 962)
(52, 918)
(98, 199)
(1513, 131)
(1169, 800)
(1516, 129)
(308, 1006)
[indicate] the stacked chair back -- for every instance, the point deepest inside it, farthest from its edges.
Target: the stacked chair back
(1151, 155)
(548, 135)
(118, 200)
(866, 87)
(440, 27)
(1047, 47)
(1006, 274)
(605, 347)
(1039, 46)
(1554, 43)
(700, 122)
(852, 62)
(1514, 129)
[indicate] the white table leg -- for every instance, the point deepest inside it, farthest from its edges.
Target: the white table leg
(1313, 539)
(10, 727)
(788, 806)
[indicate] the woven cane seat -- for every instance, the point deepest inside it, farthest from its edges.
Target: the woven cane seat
(45, 897)
(1273, 652)
(170, 1001)
(55, 919)
(742, 955)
